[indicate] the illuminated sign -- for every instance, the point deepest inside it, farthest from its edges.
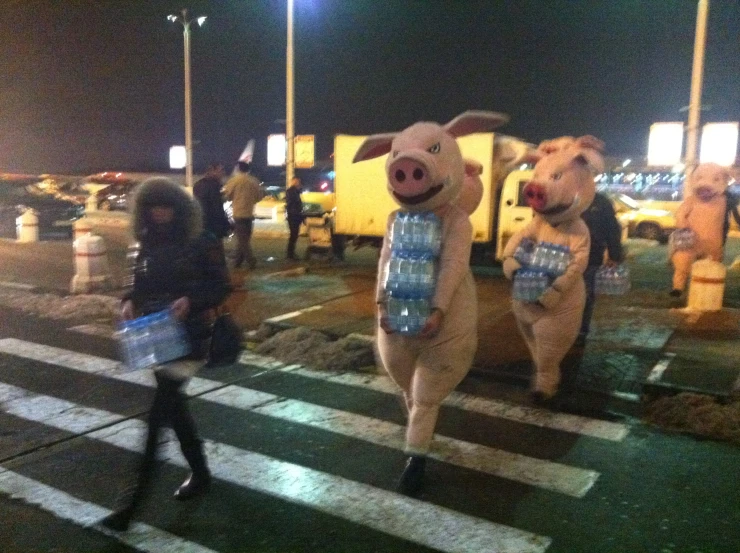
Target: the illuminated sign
(665, 144)
(178, 157)
(719, 143)
(276, 150)
(303, 150)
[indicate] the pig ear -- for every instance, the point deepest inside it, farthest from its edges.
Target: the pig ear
(472, 168)
(374, 146)
(591, 158)
(590, 142)
(475, 121)
(513, 152)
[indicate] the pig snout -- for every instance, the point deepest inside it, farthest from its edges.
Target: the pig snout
(409, 177)
(536, 196)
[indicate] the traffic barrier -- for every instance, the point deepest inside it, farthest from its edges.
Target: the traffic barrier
(82, 226)
(27, 226)
(91, 265)
(91, 204)
(707, 285)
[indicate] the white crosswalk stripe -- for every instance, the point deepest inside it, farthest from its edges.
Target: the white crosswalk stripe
(402, 517)
(560, 478)
(393, 514)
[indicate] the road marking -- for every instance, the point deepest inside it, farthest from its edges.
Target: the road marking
(394, 514)
(572, 481)
(106, 331)
(16, 285)
(657, 371)
(140, 536)
(491, 407)
(293, 314)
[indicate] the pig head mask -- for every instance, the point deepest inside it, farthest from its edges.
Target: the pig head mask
(562, 186)
(425, 167)
(708, 180)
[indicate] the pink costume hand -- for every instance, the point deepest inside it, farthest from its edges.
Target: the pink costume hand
(433, 324)
(181, 308)
(127, 310)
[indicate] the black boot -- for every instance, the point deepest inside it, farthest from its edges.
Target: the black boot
(412, 477)
(198, 483)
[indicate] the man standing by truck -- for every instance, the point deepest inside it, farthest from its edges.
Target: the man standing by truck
(294, 215)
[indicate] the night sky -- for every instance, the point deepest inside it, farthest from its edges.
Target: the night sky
(91, 85)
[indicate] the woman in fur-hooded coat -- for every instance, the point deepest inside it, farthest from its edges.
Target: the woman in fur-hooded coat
(176, 266)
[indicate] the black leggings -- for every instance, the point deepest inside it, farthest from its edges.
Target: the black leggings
(169, 408)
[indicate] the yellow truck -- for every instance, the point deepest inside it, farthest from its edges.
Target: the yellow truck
(363, 202)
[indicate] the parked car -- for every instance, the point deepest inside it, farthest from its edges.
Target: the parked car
(112, 190)
(643, 222)
(55, 215)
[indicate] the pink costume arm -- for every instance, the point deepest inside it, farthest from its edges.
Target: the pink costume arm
(454, 259)
(682, 214)
(511, 265)
(385, 255)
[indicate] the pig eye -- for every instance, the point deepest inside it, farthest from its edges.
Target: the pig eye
(395, 153)
(556, 176)
(434, 149)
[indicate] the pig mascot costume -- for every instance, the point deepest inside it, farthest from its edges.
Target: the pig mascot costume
(425, 174)
(705, 210)
(562, 187)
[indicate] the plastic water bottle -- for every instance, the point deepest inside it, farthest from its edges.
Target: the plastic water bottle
(391, 277)
(564, 260)
(683, 239)
(612, 280)
(404, 272)
(136, 344)
(432, 233)
(427, 275)
(170, 339)
(394, 306)
(414, 274)
(525, 252)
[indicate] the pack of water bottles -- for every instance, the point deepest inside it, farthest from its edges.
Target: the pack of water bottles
(411, 277)
(417, 232)
(613, 281)
(550, 258)
(683, 239)
(529, 285)
(152, 340)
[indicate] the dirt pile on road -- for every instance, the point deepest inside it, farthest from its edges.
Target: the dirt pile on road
(87, 307)
(316, 350)
(697, 414)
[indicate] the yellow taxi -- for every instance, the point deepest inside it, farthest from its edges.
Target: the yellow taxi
(643, 222)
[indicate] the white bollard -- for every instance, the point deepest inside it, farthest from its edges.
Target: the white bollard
(91, 204)
(707, 285)
(91, 265)
(82, 226)
(27, 227)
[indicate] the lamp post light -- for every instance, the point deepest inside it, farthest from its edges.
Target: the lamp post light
(185, 21)
(289, 102)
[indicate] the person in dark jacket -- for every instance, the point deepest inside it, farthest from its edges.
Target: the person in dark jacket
(294, 215)
(208, 192)
(606, 235)
(176, 266)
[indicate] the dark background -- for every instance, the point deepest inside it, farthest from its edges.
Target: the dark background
(91, 85)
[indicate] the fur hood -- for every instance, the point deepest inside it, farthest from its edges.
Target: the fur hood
(161, 191)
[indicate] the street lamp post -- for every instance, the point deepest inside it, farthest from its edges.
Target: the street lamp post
(289, 102)
(186, 21)
(697, 73)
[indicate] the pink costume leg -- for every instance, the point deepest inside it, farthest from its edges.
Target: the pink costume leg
(398, 357)
(554, 337)
(439, 370)
(682, 261)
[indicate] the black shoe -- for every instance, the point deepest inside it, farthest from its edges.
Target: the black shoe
(118, 520)
(675, 293)
(412, 477)
(195, 485)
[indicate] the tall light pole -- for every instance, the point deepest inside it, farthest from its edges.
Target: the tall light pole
(289, 102)
(185, 21)
(697, 74)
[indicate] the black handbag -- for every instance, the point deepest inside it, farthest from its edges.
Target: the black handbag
(226, 341)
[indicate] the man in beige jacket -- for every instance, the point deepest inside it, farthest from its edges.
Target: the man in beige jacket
(244, 191)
